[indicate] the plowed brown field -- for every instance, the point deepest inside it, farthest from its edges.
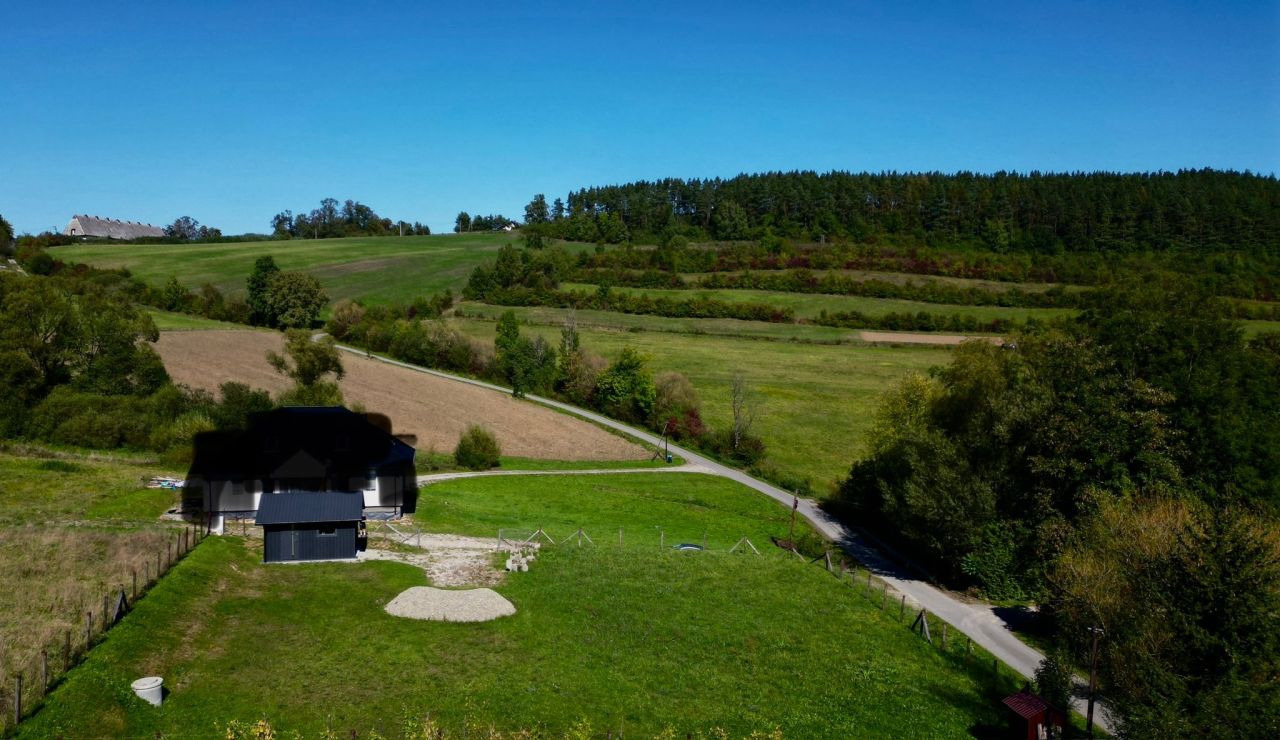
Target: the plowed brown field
(435, 409)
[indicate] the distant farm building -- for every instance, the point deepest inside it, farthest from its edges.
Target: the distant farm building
(92, 227)
(309, 475)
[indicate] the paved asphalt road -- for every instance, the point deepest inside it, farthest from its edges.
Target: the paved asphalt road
(975, 619)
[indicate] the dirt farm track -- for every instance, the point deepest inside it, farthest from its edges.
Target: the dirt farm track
(434, 409)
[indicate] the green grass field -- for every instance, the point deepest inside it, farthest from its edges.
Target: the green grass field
(687, 507)
(644, 322)
(1254, 328)
(377, 269)
(169, 321)
(816, 400)
(42, 489)
(809, 305)
(629, 640)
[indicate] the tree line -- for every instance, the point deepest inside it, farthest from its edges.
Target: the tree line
(1202, 210)
(1121, 468)
(465, 222)
(332, 219)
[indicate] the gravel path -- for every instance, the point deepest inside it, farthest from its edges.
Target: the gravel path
(471, 605)
(451, 559)
(977, 620)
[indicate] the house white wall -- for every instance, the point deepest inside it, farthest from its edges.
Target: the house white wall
(223, 497)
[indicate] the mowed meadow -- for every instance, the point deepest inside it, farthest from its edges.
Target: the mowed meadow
(378, 269)
(628, 638)
(814, 401)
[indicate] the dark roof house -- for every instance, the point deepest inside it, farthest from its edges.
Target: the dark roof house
(311, 526)
(303, 450)
(109, 228)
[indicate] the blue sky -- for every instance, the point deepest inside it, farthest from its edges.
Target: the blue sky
(229, 114)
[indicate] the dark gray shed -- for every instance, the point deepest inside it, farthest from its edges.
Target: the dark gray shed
(310, 525)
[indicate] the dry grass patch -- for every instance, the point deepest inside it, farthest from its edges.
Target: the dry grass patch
(435, 409)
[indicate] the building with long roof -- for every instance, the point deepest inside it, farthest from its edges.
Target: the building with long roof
(109, 228)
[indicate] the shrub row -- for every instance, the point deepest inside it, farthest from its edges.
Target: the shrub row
(607, 300)
(805, 281)
(921, 321)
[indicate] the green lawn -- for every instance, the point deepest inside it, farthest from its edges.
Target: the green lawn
(629, 640)
(809, 305)
(817, 400)
(687, 507)
(378, 269)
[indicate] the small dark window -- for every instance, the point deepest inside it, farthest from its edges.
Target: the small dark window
(328, 530)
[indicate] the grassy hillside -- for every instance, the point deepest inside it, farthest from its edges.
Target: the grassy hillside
(630, 640)
(816, 399)
(372, 268)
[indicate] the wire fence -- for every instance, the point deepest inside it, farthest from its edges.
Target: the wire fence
(32, 678)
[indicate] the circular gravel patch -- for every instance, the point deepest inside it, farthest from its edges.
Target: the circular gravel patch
(471, 605)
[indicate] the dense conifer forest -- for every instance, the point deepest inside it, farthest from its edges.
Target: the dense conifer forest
(1004, 211)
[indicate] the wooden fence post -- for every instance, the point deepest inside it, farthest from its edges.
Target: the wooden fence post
(158, 571)
(88, 629)
(135, 584)
(66, 650)
(17, 699)
(44, 671)
(968, 645)
(168, 562)
(902, 608)
(827, 555)
(868, 582)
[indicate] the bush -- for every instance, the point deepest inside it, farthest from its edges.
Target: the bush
(477, 449)
(1053, 679)
(750, 449)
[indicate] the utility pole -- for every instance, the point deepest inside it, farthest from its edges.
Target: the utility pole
(1097, 632)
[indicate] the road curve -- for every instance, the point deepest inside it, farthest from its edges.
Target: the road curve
(975, 619)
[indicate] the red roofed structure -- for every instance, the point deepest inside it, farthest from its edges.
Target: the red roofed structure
(1041, 720)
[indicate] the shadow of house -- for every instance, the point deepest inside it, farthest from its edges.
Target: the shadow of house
(298, 450)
